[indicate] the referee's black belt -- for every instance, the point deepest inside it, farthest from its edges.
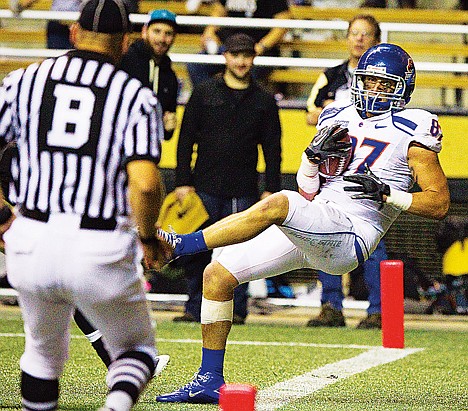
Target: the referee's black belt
(87, 223)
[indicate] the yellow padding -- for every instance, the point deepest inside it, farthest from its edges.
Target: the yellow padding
(455, 260)
(185, 217)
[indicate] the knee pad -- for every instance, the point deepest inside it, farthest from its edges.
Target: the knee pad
(214, 311)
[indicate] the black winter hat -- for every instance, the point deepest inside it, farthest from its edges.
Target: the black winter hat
(240, 42)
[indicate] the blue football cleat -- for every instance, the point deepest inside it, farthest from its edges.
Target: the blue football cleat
(172, 240)
(203, 389)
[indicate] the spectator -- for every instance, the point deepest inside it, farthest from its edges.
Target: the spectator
(227, 116)
(452, 241)
(331, 314)
(335, 82)
(266, 41)
(147, 60)
(58, 33)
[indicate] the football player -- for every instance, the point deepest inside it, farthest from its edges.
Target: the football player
(343, 223)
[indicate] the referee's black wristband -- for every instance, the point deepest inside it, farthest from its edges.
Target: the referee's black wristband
(5, 214)
(148, 240)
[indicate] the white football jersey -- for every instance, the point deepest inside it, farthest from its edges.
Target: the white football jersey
(382, 142)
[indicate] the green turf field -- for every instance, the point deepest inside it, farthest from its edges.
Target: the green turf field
(315, 369)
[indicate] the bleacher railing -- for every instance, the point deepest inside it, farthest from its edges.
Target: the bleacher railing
(201, 21)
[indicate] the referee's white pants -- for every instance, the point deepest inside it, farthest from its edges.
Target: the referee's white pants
(56, 267)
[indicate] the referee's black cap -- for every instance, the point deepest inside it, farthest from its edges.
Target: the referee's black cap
(105, 16)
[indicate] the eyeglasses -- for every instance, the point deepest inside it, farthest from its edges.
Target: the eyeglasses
(365, 34)
(384, 84)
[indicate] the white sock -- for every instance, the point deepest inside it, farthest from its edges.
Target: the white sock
(119, 401)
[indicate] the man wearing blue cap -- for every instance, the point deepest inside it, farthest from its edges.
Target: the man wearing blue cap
(147, 60)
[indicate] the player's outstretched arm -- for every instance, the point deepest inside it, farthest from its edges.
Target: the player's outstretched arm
(233, 229)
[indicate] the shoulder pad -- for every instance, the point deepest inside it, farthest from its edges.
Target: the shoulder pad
(332, 110)
(422, 127)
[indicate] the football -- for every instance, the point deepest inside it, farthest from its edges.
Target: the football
(335, 166)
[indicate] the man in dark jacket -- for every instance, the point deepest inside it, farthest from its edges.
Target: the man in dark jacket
(266, 40)
(227, 118)
(147, 60)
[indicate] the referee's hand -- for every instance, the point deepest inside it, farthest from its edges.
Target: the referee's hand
(157, 254)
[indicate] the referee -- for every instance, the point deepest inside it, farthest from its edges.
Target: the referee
(89, 142)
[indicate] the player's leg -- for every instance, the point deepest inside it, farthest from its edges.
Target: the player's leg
(243, 226)
(269, 254)
(234, 229)
(241, 294)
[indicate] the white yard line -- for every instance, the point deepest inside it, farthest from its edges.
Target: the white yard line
(284, 392)
(274, 343)
(258, 343)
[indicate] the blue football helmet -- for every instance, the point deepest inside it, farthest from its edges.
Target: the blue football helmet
(384, 62)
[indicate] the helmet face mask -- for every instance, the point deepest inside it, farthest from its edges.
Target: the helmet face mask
(375, 101)
(388, 65)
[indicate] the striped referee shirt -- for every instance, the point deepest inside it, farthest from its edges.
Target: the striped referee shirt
(77, 121)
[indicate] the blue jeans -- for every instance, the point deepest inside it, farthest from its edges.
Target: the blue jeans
(332, 290)
(217, 208)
